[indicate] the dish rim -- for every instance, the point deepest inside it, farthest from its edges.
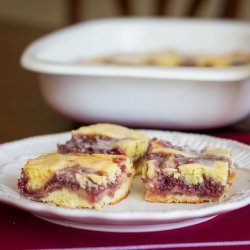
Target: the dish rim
(29, 59)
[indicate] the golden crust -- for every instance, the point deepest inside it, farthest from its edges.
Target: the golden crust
(125, 193)
(110, 130)
(231, 176)
(179, 199)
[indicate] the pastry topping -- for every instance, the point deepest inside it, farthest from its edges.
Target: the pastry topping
(92, 178)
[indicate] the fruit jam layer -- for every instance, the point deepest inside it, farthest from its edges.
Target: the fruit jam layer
(91, 144)
(168, 185)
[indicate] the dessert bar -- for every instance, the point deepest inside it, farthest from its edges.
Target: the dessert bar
(77, 180)
(179, 174)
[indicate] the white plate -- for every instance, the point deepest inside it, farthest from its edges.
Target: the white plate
(132, 214)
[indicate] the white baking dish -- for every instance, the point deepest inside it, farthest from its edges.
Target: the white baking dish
(180, 98)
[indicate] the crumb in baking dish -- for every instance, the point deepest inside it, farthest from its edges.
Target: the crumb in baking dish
(172, 58)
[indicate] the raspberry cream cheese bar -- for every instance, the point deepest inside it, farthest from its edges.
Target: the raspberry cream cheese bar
(77, 180)
(107, 139)
(180, 174)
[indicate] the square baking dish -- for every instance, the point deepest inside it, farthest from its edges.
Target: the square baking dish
(145, 96)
